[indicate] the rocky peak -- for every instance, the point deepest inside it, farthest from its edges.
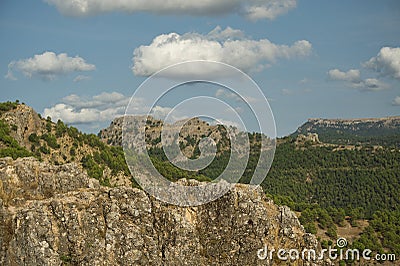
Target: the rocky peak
(56, 143)
(24, 121)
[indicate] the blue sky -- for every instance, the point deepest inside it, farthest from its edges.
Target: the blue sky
(330, 59)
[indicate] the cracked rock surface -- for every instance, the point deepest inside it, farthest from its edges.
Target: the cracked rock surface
(56, 215)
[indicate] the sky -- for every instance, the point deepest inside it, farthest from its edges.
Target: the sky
(82, 60)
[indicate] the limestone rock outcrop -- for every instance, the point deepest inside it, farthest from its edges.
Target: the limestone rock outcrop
(58, 216)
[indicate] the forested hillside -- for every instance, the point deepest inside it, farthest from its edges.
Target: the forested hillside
(327, 185)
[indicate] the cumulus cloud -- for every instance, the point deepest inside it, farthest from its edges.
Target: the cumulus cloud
(48, 66)
(387, 62)
(352, 78)
(396, 101)
(160, 112)
(353, 75)
(228, 46)
(269, 9)
(251, 9)
(74, 109)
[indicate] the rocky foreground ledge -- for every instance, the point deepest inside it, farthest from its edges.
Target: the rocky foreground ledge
(56, 215)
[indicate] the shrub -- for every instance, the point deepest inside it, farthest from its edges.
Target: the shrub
(310, 228)
(44, 150)
(51, 141)
(14, 152)
(34, 138)
(61, 129)
(72, 151)
(48, 124)
(7, 106)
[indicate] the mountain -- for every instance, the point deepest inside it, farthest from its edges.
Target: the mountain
(23, 132)
(372, 131)
(335, 188)
(61, 204)
(190, 133)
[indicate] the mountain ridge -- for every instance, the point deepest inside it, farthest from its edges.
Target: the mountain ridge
(365, 119)
(57, 212)
(368, 131)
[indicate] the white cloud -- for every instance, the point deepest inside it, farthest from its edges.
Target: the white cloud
(48, 66)
(80, 78)
(371, 85)
(353, 75)
(160, 112)
(269, 9)
(396, 101)
(10, 74)
(74, 109)
(226, 123)
(387, 62)
(251, 9)
(227, 34)
(112, 98)
(227, 46)
(353, 80)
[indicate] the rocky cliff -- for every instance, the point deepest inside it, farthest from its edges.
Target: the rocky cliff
(56, 215)
(371, 131)
(24, 121)
(360, 124)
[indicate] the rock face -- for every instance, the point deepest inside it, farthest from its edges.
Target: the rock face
(81, 223)
(25, 121)
(311, 138)
(389, 126)
(190, 129)
(28, 179)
